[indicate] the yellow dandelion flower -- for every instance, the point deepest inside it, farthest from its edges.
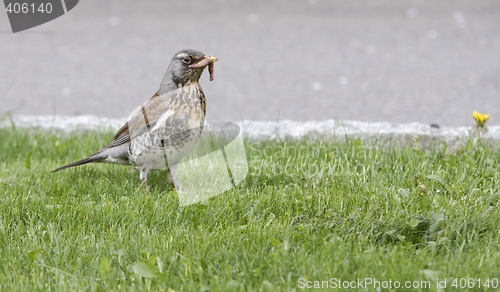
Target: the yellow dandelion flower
(480, 119)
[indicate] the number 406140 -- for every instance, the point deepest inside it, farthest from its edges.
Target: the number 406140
(475, 283)
(29, 8)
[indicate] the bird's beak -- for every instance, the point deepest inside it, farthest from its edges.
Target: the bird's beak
(211, 58)
(207, 60)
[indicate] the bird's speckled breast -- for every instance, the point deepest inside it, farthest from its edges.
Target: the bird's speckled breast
(177, 133)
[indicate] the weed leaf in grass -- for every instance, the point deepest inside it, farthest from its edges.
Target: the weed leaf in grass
(34, 254)
(430, 274)
(145, 270)
(437, 178)
(104, 267)
(27, 161)
(438, 219)
(405, 193)
(148, 269)
(414, 223)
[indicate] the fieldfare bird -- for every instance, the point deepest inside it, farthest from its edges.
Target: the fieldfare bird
(166, 127)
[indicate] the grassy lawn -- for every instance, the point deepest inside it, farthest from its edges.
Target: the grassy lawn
(307, 212)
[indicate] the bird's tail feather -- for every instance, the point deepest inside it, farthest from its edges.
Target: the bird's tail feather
(79, 162)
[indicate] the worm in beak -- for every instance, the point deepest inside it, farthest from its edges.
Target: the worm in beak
(209, 60)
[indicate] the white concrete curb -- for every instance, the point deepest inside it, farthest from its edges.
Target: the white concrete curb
(288, 130)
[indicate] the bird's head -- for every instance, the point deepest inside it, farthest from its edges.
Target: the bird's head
(187, 65)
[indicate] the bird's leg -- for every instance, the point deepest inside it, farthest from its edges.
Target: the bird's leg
(171, 172)
(169, 178)
(144, 175)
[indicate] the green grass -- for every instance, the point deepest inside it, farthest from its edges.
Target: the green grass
(307, 211)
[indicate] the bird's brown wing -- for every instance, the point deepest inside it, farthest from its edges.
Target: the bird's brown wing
(142, 121)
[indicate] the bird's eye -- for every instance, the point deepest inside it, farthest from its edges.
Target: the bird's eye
(186, 60)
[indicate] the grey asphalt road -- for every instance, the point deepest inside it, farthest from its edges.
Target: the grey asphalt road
(385, 60)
